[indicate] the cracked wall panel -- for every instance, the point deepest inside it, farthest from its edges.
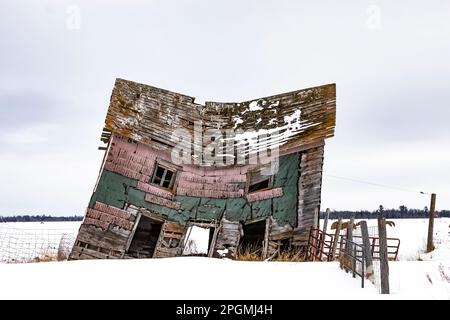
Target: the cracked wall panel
(111, 189)
(238, 209)
(211, 209)
(261, 208)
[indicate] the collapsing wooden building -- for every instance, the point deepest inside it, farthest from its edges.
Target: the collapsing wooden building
(248, 173)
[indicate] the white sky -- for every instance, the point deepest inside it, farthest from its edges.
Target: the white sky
(389, 60)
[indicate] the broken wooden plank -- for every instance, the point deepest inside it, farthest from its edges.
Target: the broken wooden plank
(266, 194)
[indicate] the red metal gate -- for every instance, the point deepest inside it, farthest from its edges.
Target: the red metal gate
(320, 245)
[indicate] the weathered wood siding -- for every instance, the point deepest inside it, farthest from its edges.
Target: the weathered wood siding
(309, 187)
(227, 239)
(170, 240)
(150, 115)
(104, 233)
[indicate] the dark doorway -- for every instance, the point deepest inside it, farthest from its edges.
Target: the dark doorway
(145, 238)
(253, 238)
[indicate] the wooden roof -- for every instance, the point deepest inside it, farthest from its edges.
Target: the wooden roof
(150, 115)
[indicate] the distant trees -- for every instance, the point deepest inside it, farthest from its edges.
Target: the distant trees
(39, 218)
(403, 209)
(401, 213)
(381, 211)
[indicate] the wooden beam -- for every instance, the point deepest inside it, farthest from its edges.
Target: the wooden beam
(367, 254)
(336, 239)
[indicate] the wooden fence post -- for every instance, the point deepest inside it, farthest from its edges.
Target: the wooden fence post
(350, 229)
(367, 254)
(316, 218)
(325, 220)
(349, 249)
(430, 245)
(384, 263)
(336, 239)
(266, 238)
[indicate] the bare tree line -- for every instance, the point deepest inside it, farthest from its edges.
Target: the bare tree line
(401, 213)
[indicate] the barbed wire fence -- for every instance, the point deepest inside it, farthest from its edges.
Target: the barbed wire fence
(19, 245)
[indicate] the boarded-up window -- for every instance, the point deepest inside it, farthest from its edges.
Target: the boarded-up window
(164, 176)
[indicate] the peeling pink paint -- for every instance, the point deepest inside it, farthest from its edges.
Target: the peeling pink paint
(162, 201)
(111, 210)
(105, 219)
(154, 190)
(263, 195)
(208, 186)
(100, 224)
(188, 176)
(210, 193)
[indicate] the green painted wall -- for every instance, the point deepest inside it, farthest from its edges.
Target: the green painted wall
(115, 190)
(285, 207)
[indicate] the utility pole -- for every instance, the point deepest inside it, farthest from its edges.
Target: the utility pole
(430, 245)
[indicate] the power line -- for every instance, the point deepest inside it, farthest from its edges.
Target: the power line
(375, 184)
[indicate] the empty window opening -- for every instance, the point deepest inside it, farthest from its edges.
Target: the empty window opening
(145, 238)
(262, 185)
(252, 241)
(164, 176)
(257, 181)
(198, 241)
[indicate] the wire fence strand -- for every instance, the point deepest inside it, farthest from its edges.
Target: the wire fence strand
(18, 245)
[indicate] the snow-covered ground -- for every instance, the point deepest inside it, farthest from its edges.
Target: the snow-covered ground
(72, 226)
(178, 278)
(205, 278)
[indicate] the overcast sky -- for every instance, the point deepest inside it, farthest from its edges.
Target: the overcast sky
(390, 61)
